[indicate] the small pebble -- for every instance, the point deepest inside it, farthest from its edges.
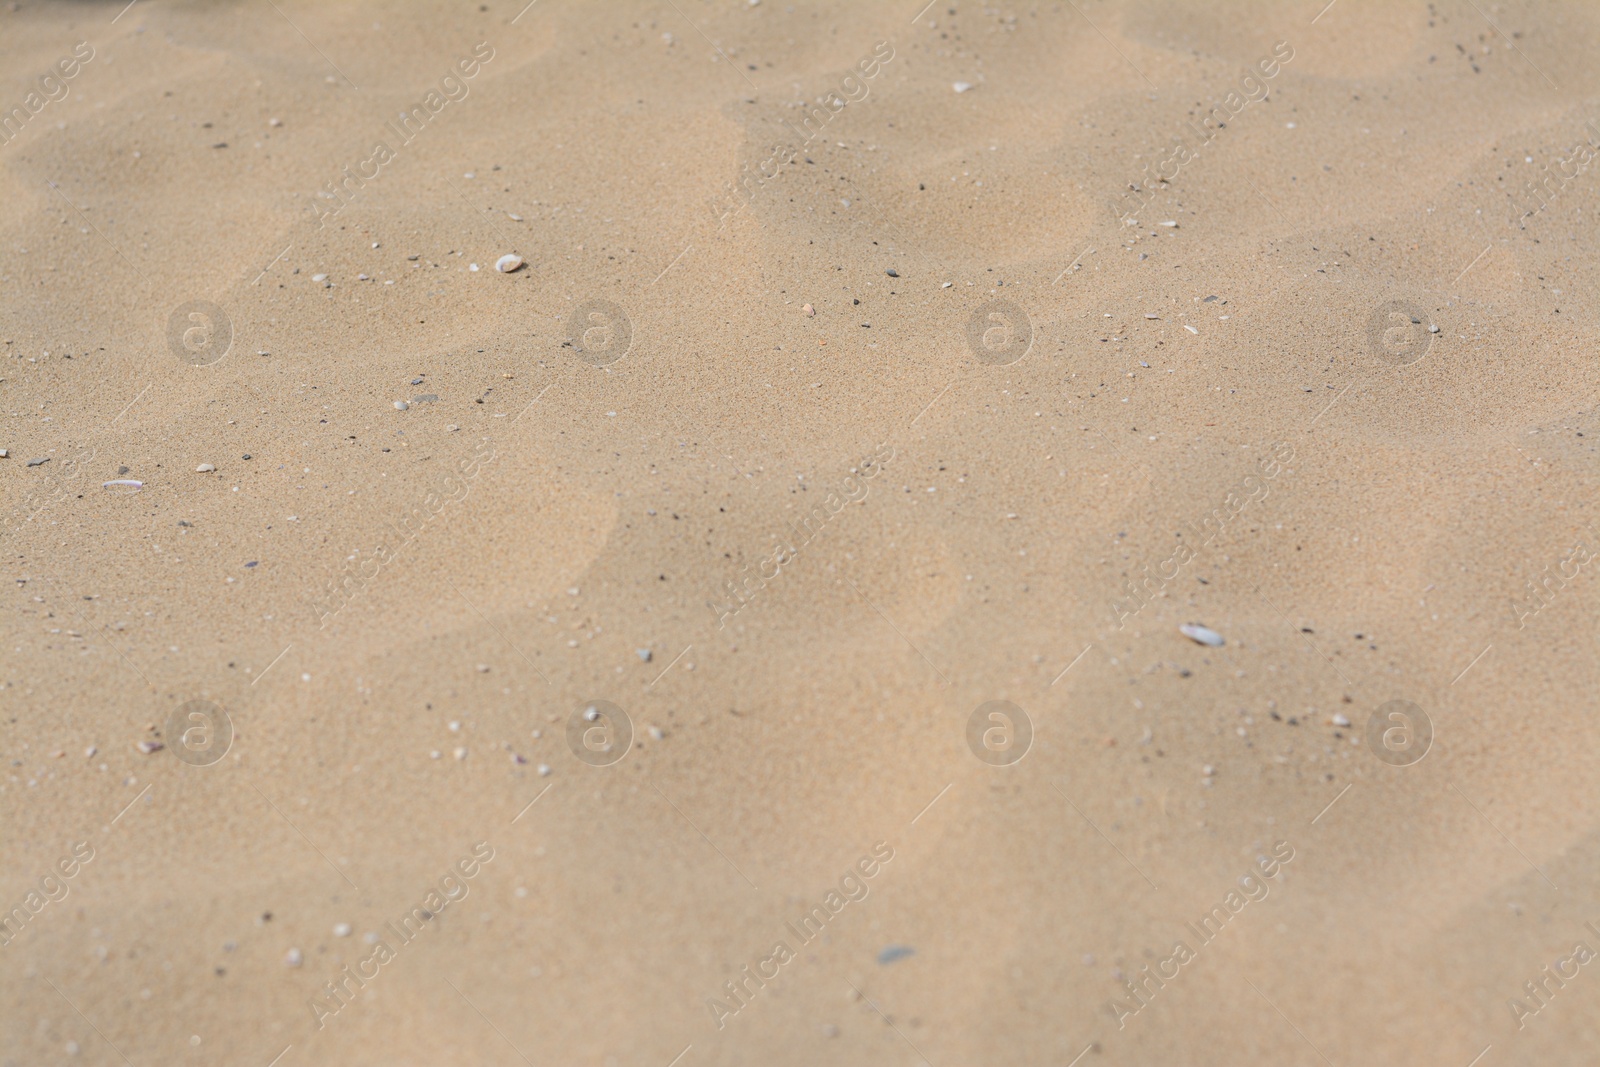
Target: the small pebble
(205, 468)
(293, 958)
(319, 277)
(401, 405)
(461, 753)
(1208, 770)
(483, 668)
(341, 930)
(1202, 634)
(890, 953)
(645, 654)
(508, 263)
(891, 272)
(1340, 720)
(961, 87)
(591, 714)
(38, 462)
(810, 311)
(544, 770)
(4, 453)
(1433, 329)
(149, 747)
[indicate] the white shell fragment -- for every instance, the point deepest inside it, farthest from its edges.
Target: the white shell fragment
(205, 468)
(123, 485)
(961, 87)
(401, 405)
(1202, 634)
(508, 263)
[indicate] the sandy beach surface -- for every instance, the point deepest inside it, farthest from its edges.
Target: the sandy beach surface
(748, 630)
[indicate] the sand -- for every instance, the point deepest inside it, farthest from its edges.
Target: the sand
(1237, 315)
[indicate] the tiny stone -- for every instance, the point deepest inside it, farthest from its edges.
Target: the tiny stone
(1340, 720)
(544, 770)
(891, 272)
(401, 405)
(1433, 329)
(461, 753)
(483, 668)
(319, 277)
(645, 654)
(1208, 770)
(1202, 634)
(148, 747)
(810, 311)
(38, 462)
(293, 958)
(591, 714)
(656, 734)
(341, 930)
(961, 87)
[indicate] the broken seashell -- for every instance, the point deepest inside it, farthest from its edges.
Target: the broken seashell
(1202, 634)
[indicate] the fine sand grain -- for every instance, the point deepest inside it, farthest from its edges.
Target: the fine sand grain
(734, 531)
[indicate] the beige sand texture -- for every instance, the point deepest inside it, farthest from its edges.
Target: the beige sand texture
(1146, 358)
